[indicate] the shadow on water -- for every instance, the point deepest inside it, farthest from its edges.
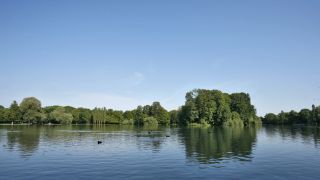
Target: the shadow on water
(213, 145)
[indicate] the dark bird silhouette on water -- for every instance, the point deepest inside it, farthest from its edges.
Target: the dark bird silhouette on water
(99, 142)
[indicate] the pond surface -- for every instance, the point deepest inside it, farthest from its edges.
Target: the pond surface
(126, 152)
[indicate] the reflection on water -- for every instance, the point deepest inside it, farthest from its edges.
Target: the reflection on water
(25, 138)
(128, 152)
(211, 145)
(204, 145)
(308, 134)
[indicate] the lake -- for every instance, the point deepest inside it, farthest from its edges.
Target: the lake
(127, 152)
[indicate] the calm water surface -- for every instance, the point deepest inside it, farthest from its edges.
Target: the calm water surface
(72, 152)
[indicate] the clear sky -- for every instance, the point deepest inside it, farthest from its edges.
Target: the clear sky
(120, 54)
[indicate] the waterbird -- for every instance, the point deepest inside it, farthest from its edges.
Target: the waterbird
(99, 142)
(167, 136)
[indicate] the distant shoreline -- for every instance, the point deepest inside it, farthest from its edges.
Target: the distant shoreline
(6, 124)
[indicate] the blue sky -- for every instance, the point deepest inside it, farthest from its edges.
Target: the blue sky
(120, 54)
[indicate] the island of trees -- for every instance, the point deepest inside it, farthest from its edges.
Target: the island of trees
(206, 107)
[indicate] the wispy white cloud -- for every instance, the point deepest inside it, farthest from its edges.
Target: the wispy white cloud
(175, 100)
(137, 78)
(134, 79)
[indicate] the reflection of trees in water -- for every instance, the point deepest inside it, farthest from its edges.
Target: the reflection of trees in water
(11, 139)
(308, 134)
(25, 137)
(211, 145)
(2, 134)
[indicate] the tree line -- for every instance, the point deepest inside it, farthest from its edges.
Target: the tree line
(30, 111)
(305, 116)
(206, 107)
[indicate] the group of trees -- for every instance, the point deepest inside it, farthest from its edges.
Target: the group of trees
(30, 111)
(217, 108)
(305, 116)
(209, 107)
(154, 114)
(106, 116)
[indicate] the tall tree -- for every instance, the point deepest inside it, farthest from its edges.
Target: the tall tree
(305, 116)
(15, 114)
(3, 114)
(190, 113)
(31, 110)
(174, 117)
(317, 114)
(223, 112)
(139, 115)
(159, 113)
(206, 105)
(314, 114)
(241, 103)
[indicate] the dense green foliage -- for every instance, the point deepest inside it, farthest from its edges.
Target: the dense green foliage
(305, 116)
(106, 116)
(217, 108)
(31, 111)
(15, 112)
(174, 118)
(206, 107)
(59, 115)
